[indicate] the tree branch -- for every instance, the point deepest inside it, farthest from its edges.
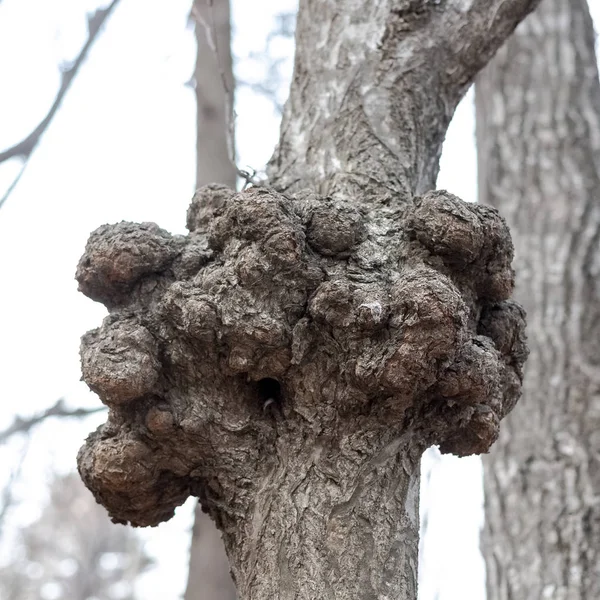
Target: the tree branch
(13, 184)
(467, 34)
(396, 72)
(58, 409)
(25, 147)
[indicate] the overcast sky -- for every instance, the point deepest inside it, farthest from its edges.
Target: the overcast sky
(122, 147)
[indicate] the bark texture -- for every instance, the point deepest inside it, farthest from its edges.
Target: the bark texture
(538, 131)
(278, 368)
(374, 88)
(208, 575)
(289, 360)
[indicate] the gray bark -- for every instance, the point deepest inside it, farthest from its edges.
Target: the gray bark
(208, 576)
(289, 360)
(374, 88)
(538, 131)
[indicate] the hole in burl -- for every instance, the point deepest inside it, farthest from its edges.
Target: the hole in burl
(269, 392)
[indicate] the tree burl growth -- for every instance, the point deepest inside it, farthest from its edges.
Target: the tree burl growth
(278, 321)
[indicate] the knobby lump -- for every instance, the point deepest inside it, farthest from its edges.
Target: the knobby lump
(395, 319)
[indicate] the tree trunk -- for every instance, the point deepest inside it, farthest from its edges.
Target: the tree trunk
(538, 135)
(290, 359)
(332, 522)
(209, 577)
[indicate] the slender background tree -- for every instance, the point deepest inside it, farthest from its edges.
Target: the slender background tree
(209, 577)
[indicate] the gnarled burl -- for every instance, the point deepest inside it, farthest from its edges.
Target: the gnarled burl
(288, 361)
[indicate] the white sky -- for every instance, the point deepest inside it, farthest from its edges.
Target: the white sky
(122, 147)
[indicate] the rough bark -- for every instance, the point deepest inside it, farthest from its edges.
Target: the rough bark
(374, 88)
(289, 360)
(208, 575)
(538, 128)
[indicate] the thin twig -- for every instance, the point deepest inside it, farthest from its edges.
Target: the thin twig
(25, 147)
(13, 185)
(58, 409)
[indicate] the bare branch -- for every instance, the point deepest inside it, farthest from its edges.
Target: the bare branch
(14, 183)
(58, 409)
(488, 23)
(25, 147)
(8, 498)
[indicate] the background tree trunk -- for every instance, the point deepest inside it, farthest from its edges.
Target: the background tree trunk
(538, 135)
(209, 577)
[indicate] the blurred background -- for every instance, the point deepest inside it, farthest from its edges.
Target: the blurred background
(108, 112)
